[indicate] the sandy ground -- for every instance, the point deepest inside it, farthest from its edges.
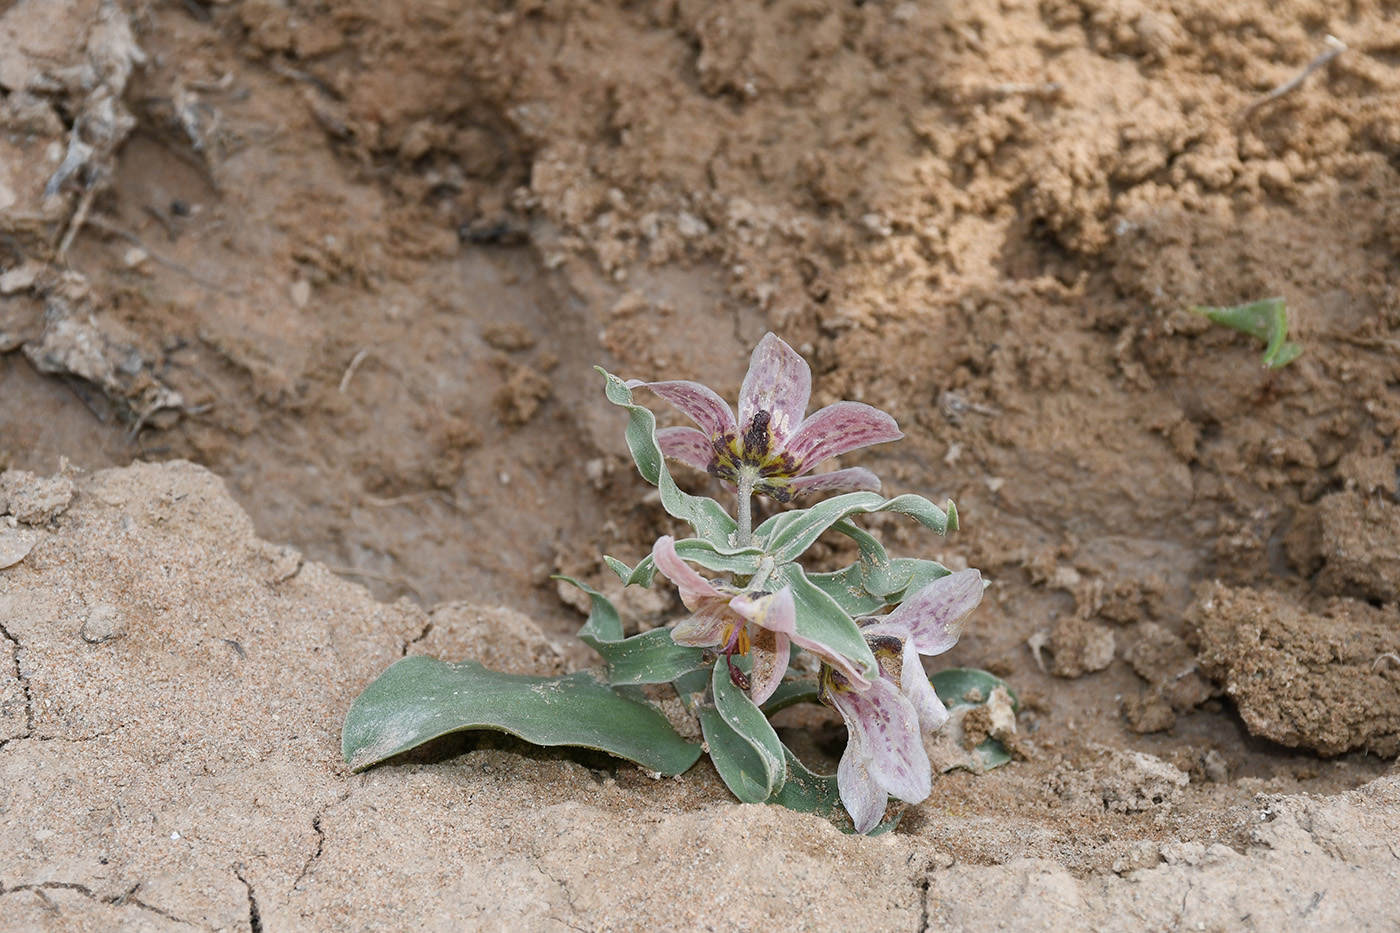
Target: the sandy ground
(357, 260)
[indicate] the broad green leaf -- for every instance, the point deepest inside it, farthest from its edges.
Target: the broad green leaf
(420, 698)
(649, 658)
(808, 792)
(1265, 320)
(742, 743)
(821, 618)
(788, 535)
(739, 764)
(709, 519)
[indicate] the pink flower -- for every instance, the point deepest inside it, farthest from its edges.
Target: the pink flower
(761, 625)
(771, 442)
(887, 721)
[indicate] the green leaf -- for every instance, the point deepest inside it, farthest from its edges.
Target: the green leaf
(618, 567)
(742, 561)
(1265, 320)
(649, 658)
(420, 698)
(788, 535)
(790, 693)
(968, 686)
(960, 687)
(821, 618)
(808, 792)
(691, 687)
(742, 743)
(875, 581)
(709, 519)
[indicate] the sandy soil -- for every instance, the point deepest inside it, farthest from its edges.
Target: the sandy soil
(358, 259)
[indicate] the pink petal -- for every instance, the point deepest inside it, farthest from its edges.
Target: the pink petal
(779, 381)
(700, 403)
(779, 614)
(694, 589)
(687, 445)
(837, 429)
(884, 727)
(854, 479)
(934, 616)
(705, 628)
(770, 662)
(914, 684)
(863, 798)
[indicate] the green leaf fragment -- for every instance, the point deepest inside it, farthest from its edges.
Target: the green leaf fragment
(968, 686)
(742, 744)
(420, 698)
(649, 658)
(1265, 320)
(960, 687)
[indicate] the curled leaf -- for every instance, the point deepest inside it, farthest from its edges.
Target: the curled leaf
(1265, 320)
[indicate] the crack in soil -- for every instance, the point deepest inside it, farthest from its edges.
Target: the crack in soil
(924, 883)
(320, 838)
(116, 900)
(254, 915)
(428, 627)
(23, 685)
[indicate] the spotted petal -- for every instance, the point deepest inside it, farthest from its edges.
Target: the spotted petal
(695, 590)
(862, 796)
(885, 746)
(687, 445)
(779, 381)
(838, 429)
(698, 402)
(934, 616)
(854, 479)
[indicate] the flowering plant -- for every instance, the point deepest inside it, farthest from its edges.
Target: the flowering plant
(765, 635)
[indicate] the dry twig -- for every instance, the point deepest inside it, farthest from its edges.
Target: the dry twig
(1335, 47)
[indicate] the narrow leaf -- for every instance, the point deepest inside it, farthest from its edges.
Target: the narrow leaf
(788, 535)
(709, 519)
(649, 658)
(420, 698)
(748, 755)
(743, 561)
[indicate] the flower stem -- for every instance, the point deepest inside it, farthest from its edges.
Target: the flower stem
(745, 510)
